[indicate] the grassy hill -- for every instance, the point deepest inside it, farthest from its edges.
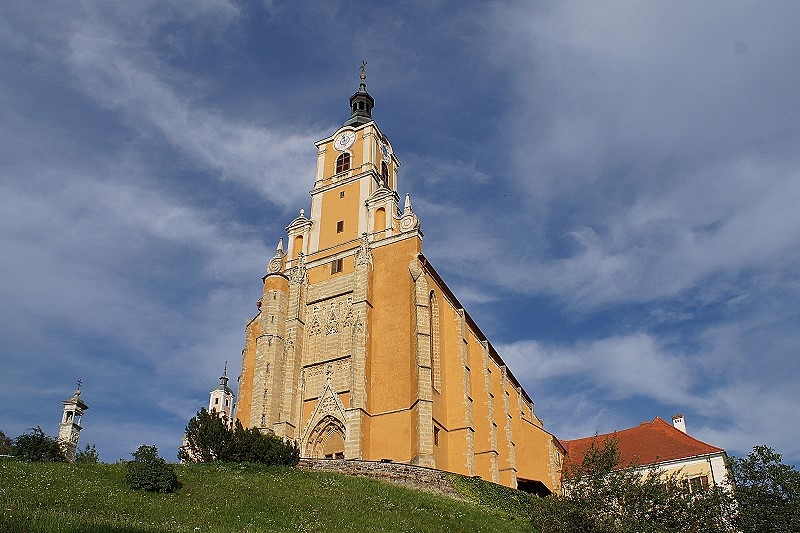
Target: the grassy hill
(61, 498)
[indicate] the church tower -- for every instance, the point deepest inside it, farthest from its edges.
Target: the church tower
(221, 397)
(69, 430)
(359, 350)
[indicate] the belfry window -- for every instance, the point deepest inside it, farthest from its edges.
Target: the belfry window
(385, 173)
(343, 162)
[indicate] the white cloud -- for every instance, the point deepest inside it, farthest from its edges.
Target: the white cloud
(648, 153)
(617, 367)
(263, 159)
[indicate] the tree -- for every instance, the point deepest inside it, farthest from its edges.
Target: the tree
(5, 444)
(88, 455)
(36, 445)
(600, 497)
(767, 492)
(210, 438)
(148, 471)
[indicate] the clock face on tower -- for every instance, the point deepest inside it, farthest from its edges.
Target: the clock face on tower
(344, 140)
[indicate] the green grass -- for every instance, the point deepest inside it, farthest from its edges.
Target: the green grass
(63, 498)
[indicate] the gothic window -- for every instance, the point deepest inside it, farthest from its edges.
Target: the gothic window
(436, 363)
(343, 162)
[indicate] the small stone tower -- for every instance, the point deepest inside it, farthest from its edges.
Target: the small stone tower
(70, 429)
(221, 397)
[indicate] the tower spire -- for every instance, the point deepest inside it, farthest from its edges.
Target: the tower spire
(361, 103)
(70, 428)
(222, 397)
(223, 379)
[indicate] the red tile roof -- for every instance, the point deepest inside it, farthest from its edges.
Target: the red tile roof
(648, 443)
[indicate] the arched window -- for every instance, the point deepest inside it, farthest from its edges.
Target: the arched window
(385, 173)
(343, 162)
(436, 360)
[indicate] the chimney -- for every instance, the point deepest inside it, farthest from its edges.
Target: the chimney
(679, 422)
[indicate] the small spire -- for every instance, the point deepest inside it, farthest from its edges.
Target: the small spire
(407, 209)
(363, 86)
(279, 248)
(223, 379)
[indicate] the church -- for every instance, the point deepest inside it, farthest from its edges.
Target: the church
(359, 349)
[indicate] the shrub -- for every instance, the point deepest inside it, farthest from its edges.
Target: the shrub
(88, 455)
(210, 438)
(148, 471)
(36, 445)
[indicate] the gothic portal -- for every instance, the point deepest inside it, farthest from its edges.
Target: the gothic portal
(361, 351)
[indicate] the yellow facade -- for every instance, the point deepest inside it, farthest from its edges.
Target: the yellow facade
(361, 351)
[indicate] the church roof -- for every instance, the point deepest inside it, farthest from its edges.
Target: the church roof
(646, 444)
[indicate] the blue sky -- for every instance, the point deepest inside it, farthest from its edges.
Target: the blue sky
(611, 190)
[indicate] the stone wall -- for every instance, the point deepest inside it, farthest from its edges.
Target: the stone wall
(412, 476)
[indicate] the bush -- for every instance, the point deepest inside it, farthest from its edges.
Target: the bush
(88, 455)
(252, 446)
(148, 471)
(36, 445)
(210, 438)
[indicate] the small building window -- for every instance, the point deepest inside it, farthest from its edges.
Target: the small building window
(385, 173)
(216, 401)
(336, 266)
(435, 436)
(695, 484)
(343, 162)
(341, 194)
(340, 226)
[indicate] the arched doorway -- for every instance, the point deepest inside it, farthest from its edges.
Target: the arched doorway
(326, 440)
